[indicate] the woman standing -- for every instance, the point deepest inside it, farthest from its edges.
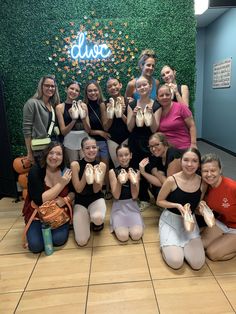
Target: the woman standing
(220, 240)
(139, 135)
(93, 99)
(46, 182)
(115, 124)
(73, 129)
(185, 187)
(176, 122)
(125, 214)
(87, 177)
(39, 115)
(179, 93)
(164, 162)
(146, 63)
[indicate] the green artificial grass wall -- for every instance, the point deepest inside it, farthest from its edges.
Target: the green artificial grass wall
(36, 36)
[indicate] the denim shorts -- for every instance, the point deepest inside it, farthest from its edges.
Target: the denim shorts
(103, 149)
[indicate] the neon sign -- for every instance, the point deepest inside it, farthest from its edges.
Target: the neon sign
(83, 50)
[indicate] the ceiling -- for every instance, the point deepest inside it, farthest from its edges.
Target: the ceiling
(209, 16)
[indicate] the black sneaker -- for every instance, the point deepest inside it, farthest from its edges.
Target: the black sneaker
(97, 227)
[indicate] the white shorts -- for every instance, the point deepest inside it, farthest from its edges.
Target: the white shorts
(224, 228)
(172, 231)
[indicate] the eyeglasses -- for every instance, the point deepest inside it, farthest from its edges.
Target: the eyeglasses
(154, 146)
(49, 86)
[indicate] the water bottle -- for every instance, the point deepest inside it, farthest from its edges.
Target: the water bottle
(47, 239)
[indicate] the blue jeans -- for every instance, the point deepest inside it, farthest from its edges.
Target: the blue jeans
(35, 237)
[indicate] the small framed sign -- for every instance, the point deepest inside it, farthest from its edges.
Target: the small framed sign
(222, 74)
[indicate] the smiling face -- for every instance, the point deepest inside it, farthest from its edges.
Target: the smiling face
(190, 162)
(48, 87)
(211, 173)
(142, 86)
(124, 156)
(73, 91)
(164, 96)
(92, 92)
(55, 157)
(90, 150)
(167, 74)
(157, 148)
(114, 87)
(148, 67)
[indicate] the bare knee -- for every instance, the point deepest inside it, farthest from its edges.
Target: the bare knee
(213, 254)
(97, 219)
(136, 233)
(122, 235)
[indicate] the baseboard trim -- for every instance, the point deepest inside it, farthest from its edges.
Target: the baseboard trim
(218, 146)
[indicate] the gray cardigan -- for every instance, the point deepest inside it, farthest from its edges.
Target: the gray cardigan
(36, 119)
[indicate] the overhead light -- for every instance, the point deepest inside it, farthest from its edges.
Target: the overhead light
(200, 6)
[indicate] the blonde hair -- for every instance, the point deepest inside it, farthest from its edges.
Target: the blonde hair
(55, 99)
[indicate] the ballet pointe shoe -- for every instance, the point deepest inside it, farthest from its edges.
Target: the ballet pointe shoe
(111, 108)
(118, 107)
(133, 176)
(139, 118)
(82, 112)
(188, 218)
(207, 214)
(89, 174)
(148, 116)
(74, 110)
(123, 176)
(98, 174)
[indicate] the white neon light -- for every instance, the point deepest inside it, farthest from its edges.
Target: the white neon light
(200, 6)
(83, 51)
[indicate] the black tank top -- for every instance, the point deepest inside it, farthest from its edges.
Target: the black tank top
(182, 197)
(125, 188)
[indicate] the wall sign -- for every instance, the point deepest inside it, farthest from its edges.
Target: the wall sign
(83, 50)
(222, 74)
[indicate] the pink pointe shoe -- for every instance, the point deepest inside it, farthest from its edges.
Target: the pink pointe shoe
(133, 176)
(207, 214)
(148, 116)
(74, 110)
(188, 218)
(123, 176)
(139, 118)
(89, 174)
(118, 107)
(82, 112)
(98, 174)
(111, 108)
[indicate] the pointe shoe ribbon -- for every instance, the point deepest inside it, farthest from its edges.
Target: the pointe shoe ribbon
(111, 108)
(139, 118)
(133, 176)
(123, 176)
(188, 218)
(89, 174)
(207, 214)
(82, 112)
(148, 116)
(118, 107)
(74, 112)
(98, 174)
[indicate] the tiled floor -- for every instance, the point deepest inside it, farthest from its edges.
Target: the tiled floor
(106, 276)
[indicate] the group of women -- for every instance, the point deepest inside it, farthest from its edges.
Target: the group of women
(124, 128)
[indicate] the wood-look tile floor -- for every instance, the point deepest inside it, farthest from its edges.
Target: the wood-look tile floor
(106, 276)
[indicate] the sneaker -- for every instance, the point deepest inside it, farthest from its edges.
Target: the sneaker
(207, 214)
(139, 118)
(97, 228)
(89, 174)
(189, 222)
(143, 205)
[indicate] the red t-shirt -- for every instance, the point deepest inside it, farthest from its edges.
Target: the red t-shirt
(222, 200)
